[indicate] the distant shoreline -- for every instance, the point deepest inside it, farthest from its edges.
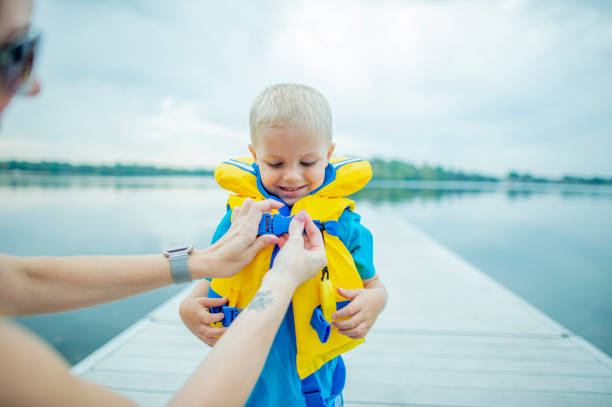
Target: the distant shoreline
(391, 171)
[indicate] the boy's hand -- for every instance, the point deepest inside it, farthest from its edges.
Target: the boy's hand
(366, 304)
(195, 315)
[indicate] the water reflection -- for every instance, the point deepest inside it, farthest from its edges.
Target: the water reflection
(379, 196)
(20, 180)
(407, 191)
(376, 191)
(549, 243)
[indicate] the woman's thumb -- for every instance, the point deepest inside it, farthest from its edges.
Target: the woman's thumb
(261, 243)
(296, 227)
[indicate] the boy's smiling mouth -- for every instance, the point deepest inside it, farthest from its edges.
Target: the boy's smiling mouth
(292, 191)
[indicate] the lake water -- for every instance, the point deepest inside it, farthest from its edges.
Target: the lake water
(550, 244)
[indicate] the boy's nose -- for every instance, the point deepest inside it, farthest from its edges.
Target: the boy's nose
(292, 175)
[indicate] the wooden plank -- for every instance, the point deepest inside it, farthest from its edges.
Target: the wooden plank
(476, 339)
(151, 364)
(432, 289)
(137, 381)
(525, 367)
(400, 346)
(169, 311)
(493, 381)
(369, 394)
(161, 352)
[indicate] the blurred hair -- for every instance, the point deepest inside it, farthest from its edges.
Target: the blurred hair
(291, 104)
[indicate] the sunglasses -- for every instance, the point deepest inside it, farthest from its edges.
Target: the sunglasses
(17, 60)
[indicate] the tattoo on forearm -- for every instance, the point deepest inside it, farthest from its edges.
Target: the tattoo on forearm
(261, 300)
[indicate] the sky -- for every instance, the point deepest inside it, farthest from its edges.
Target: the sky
(477, 86)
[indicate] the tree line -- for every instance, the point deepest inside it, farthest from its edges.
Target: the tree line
(382, 170)
(57, 168)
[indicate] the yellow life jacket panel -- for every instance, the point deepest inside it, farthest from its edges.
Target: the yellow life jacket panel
(325, 206)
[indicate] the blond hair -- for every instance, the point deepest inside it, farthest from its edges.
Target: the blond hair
(291, 104)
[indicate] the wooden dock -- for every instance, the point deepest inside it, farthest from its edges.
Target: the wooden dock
(450, 336)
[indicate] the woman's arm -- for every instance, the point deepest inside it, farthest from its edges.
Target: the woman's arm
(225, 377)
(38, 285)
(28, 364)
(232, 367)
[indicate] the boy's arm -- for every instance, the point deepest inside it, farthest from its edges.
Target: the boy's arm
(194, 307)
(196, 317)
(367, 303)
(359, 242)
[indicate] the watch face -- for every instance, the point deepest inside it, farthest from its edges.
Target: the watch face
(180, 249)
(176, 250)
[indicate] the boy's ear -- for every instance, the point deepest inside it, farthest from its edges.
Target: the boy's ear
(331, 151)
(252, 150)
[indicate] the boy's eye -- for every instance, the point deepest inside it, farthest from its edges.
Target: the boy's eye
(308, 163)
(274, 165)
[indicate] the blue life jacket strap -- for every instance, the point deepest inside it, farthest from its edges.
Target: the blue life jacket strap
(229, 313)
(320, 325)
(311, 390)
(279, 225)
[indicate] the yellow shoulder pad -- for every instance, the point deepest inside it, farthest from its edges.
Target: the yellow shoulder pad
(352, 174)
(238, 176)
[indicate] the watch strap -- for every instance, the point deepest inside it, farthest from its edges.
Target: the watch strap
(180, 270)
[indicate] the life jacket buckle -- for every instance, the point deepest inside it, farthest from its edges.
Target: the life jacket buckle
(274, 224)
(229, 313)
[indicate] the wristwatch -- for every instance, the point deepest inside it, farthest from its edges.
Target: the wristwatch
(178, 263)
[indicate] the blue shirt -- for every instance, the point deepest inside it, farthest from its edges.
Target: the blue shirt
(273, 387)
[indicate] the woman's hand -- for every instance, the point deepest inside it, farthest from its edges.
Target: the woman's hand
(239, 245)
(301, 256)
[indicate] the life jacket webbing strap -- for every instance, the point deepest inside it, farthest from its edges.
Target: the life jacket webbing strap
(311, 390)
(279, 225)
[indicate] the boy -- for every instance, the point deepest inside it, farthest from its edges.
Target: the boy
(291, 145)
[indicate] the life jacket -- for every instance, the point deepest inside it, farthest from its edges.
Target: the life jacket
(315, 300)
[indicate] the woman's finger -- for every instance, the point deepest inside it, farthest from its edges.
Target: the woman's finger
(267, 205)
(247, 204)
(282, 239)
(252, 211)
(296, 227)
(312, 231)
(235, 213)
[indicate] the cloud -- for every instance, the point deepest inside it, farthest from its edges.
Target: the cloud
(474, 85)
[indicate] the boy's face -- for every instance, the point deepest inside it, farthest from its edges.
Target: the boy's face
(291, 160)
